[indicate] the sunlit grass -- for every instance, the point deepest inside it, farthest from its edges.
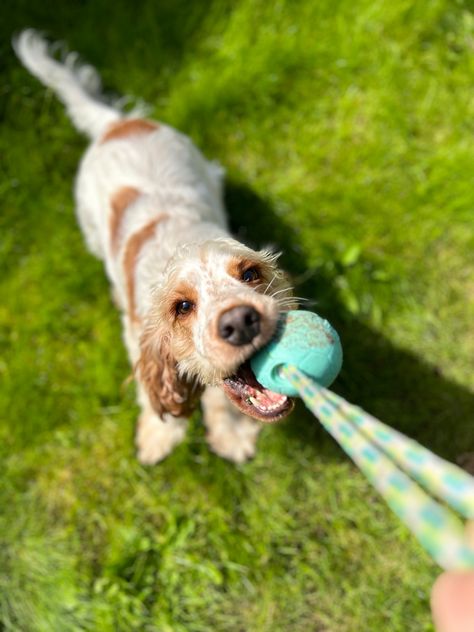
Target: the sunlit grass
(346, 130)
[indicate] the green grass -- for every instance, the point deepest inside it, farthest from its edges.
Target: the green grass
(347, 132)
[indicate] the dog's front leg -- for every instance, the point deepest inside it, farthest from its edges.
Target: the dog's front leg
(230, 434)
(156, 437)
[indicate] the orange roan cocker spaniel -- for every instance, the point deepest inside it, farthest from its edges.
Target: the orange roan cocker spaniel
(195, 303)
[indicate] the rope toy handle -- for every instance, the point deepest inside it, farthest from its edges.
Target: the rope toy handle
(303, 359)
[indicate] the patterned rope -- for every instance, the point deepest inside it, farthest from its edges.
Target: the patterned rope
(382, 453)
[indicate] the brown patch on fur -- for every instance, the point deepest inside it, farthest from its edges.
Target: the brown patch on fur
(128, 127)
(182, 323)
(236, 267)
(132, 250)
(119, 203)
(182, 292)
(273, 281)
(166, 390)
(269, 276)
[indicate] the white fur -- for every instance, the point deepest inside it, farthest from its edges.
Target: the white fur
(191, 244)
(73, 83)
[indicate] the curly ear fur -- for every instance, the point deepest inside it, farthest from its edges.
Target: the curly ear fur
(157, 371)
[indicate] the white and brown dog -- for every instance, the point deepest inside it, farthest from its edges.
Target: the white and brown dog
(195, 303)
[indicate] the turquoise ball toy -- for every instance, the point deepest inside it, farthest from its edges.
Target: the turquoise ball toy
(304, 340)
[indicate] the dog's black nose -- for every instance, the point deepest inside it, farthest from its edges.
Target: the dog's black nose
(240, 325)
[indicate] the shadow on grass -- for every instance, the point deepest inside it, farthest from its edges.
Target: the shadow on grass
(391, 383)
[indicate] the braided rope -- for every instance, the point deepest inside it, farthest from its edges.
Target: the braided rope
(382, 454)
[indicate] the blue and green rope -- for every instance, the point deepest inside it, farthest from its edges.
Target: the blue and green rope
(402, 471)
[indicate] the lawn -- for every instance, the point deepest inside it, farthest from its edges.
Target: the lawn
(346, 128)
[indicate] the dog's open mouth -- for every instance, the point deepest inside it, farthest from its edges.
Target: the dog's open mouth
(253, 399)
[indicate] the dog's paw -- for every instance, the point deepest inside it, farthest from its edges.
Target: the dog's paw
(156, 438)
(234, 439)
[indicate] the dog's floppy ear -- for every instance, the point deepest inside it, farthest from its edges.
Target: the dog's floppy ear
(157, 371)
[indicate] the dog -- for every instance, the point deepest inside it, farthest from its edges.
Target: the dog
(196, 304)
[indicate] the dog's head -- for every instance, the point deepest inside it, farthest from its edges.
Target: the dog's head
(218, 303)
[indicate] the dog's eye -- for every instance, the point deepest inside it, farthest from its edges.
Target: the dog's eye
(184, 307)
(251, 274)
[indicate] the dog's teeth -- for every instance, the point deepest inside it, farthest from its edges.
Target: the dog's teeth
(264, 408)
(257, 404)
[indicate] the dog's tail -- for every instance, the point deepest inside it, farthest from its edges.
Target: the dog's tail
(77, 85)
